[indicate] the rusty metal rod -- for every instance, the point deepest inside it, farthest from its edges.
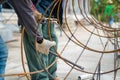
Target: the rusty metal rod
(82, 68)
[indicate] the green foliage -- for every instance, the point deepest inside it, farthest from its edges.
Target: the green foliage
(97, 8)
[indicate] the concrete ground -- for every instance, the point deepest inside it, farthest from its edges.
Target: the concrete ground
(74, 53)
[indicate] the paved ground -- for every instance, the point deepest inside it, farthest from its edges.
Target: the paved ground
(88, 59)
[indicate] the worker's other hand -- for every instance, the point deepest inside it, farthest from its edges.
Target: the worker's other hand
(45, 46)
(38, 16)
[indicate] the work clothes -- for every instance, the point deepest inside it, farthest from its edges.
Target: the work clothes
(0, 7)
(109, 10)
(47, 60)
(3, 57)
(39, 61)
(26, 17)
(109, 13)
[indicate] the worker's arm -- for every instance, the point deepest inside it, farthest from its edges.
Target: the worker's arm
(38, 16)
(26, 16)
(24, 11)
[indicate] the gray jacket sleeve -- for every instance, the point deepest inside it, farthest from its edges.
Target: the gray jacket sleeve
(25, 14)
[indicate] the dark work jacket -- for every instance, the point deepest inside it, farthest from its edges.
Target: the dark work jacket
(42, 5)
(26, 17)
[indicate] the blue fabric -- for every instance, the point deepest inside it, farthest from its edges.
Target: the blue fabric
(111, 21)
(3, 57)
(0, 7)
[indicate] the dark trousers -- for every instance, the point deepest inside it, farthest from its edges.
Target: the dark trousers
(39, 61)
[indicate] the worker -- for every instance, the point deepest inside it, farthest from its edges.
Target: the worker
(109, 12)
(26, 17)
(35, 64)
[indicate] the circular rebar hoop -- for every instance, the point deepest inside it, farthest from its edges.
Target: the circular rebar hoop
(97, 29)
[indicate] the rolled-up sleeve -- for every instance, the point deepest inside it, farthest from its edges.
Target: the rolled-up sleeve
(25, 14)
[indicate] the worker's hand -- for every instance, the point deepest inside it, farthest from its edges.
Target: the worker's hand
(45, 46)
(38, 16)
